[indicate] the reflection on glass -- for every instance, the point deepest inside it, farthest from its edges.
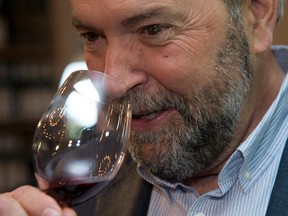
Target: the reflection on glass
(79, 143)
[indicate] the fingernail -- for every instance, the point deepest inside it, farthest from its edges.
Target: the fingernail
(50, 212)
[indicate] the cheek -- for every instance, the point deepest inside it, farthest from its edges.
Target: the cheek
(94, 62)
(182, 69)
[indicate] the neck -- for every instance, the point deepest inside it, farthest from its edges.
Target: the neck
(267, 81)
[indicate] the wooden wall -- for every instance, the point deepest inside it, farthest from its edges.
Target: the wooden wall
(281, 33)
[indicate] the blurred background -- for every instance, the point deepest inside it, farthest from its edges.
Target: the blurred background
(37, 41)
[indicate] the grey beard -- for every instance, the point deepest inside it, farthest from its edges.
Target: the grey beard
(191, 142)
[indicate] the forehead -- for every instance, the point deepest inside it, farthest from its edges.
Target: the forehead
(122, 7)
(118, 5)
(107, 10)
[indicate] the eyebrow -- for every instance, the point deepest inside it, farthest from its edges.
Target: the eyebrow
(78, 24)
(158, 12)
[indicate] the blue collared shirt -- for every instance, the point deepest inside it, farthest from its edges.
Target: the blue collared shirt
(247, 179)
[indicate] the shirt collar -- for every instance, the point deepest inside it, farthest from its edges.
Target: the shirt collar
(259, 149)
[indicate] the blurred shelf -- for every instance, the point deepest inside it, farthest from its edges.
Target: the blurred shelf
(18, 157)
(25, 52)
(16, 126)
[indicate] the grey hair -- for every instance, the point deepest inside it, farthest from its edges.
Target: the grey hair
(280, 10)
(234, 8)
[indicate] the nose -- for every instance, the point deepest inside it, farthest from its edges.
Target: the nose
(123, 62)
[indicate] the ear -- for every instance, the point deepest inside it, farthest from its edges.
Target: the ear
(264, 15)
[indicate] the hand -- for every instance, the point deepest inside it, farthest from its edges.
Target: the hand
(29, 201)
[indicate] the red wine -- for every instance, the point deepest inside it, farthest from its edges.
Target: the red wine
(72, 194)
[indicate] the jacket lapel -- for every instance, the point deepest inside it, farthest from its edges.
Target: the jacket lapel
(279, 198)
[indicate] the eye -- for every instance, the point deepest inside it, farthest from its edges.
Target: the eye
(89, 37)
(156, 34)
(92, 42)
(154, 29)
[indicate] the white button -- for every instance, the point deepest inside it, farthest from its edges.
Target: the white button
(247, 174)
(200, 214)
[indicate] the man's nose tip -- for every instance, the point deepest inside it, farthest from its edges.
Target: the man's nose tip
(110, 86)
(114, 87)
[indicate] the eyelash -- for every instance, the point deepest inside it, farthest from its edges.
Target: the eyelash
(154, 34)
(85, 36)
(144, 30)
(158, 27)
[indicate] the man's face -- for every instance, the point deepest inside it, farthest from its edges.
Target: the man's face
(187, 71)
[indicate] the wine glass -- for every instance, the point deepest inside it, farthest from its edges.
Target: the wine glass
(79, 142)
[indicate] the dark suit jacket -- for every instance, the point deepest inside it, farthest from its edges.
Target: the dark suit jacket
(128, 194)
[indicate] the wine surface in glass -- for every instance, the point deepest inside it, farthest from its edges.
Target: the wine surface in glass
(71, 194)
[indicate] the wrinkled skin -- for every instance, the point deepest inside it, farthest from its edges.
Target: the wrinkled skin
(192, 140)
(197, 91)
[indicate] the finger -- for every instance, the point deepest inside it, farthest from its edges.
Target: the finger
(35, 202)
(9, 206)
(69, 212)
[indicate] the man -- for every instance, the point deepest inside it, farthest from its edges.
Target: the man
(210, 107)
